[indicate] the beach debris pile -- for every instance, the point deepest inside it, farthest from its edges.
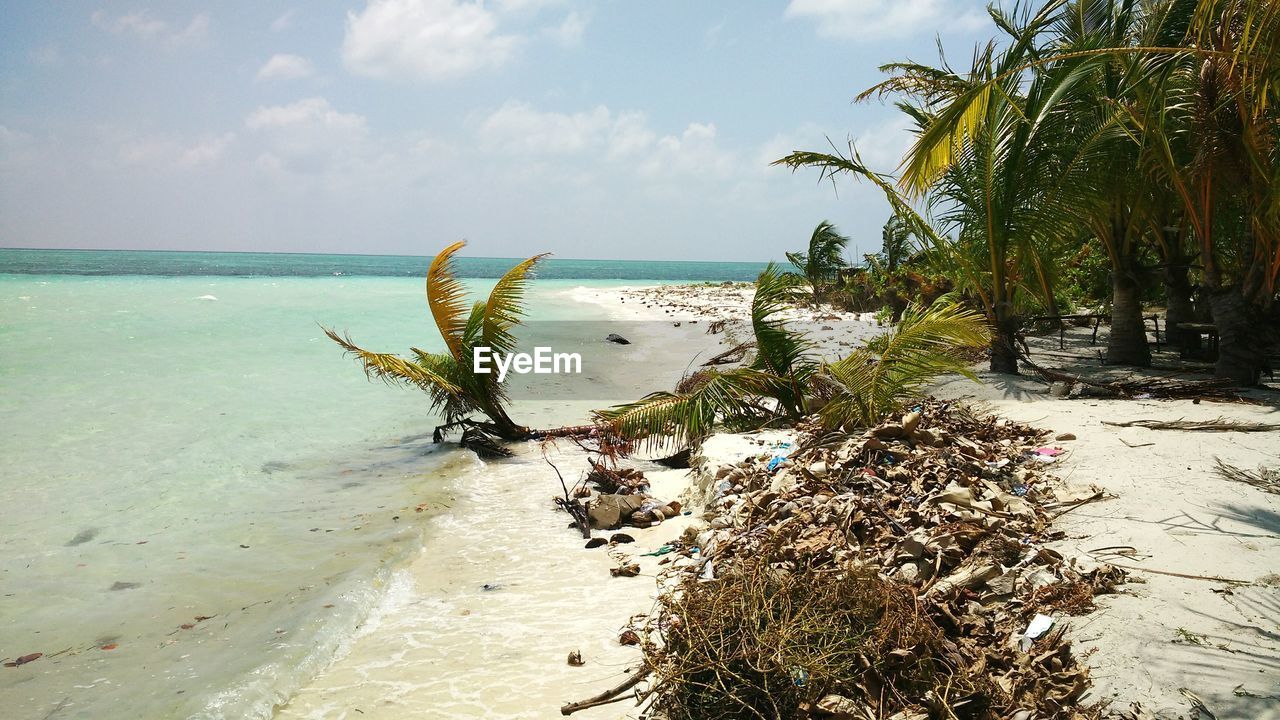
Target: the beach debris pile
(902, 573)
(616, 497)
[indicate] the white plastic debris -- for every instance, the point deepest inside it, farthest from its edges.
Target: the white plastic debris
(1038, 626)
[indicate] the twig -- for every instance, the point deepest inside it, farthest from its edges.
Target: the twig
(1133, 445)
(571, 505)
(608, 696)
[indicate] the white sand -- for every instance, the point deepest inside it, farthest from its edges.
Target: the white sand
(444, 647)
(1163, 633)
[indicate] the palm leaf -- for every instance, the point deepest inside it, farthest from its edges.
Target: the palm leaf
(663, 419)
(393, 368)
(504, 308)
(446, 297)
(874, 380)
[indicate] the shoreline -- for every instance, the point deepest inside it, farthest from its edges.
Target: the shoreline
(1128, 651)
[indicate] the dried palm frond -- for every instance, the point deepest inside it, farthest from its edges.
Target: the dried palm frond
(1264, 478)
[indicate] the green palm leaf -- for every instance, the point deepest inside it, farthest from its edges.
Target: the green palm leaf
(504, 308)
(663, 419)
(393, 368)
(873, 381)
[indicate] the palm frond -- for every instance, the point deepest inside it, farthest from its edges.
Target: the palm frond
(505, 306)
(393, 368)
(664, 419)
(778, 350)
(874, 380)
(447, 298)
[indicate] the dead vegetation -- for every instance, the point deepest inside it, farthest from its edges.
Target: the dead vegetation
(1264, 478)
(899, 574)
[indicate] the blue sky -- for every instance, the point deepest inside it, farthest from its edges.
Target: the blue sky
(636, 130)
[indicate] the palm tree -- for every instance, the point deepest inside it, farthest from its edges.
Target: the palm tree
(1219, 132)
(895, 242)
(1213, 129)
(785, 381)
(456, 391)
(822, 263)
(777, 375)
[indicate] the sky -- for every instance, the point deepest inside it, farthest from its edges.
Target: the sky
(610, 129)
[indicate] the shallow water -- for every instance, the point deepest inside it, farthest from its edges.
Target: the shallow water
(179, 448)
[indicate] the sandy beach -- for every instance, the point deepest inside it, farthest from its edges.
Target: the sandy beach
(1196, 619)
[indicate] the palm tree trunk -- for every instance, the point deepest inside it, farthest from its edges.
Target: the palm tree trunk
(503, 426)
(1004, 347)
(1179, 308)
(1127, 344)
(1239, 357)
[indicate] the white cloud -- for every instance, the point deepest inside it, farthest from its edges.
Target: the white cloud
(309, 137)
(314, 111)
(284, 21)
(47, 56)
(517, 127)
(892, 18)
(695, 153)
(569, 32)
(170, 152)
(526, 6)
(285, 67)
(144, 27)
(599, 134)
(882, 146)
(425, 39)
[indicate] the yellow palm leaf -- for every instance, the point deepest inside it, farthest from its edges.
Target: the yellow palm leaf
(447, 298)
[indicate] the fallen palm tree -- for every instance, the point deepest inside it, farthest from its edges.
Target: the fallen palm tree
(456, 390)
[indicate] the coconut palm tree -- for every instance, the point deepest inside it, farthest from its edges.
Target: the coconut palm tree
(773, 384)
(456, 391)
(785, 381)
(1219, 132)
(1003, 194)
(1213, 128)
(822, 263)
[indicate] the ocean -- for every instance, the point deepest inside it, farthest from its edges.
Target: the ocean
(201, 498)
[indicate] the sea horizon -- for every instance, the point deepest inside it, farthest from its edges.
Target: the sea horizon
(97, 262)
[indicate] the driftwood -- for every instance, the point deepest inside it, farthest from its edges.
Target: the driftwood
(1161, 387)
(608, 696)
(732, 355)
(1219, 425)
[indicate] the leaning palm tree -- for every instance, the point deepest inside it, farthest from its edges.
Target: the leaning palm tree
(822, 263)
(785, 381)
(456, 391)
(773, 384)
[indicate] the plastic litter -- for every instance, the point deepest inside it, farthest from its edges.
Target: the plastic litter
(779, 456)
(1039, 625)
(660, 551)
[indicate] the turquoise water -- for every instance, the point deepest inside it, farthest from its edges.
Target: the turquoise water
(185, 447)
(136, 262)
